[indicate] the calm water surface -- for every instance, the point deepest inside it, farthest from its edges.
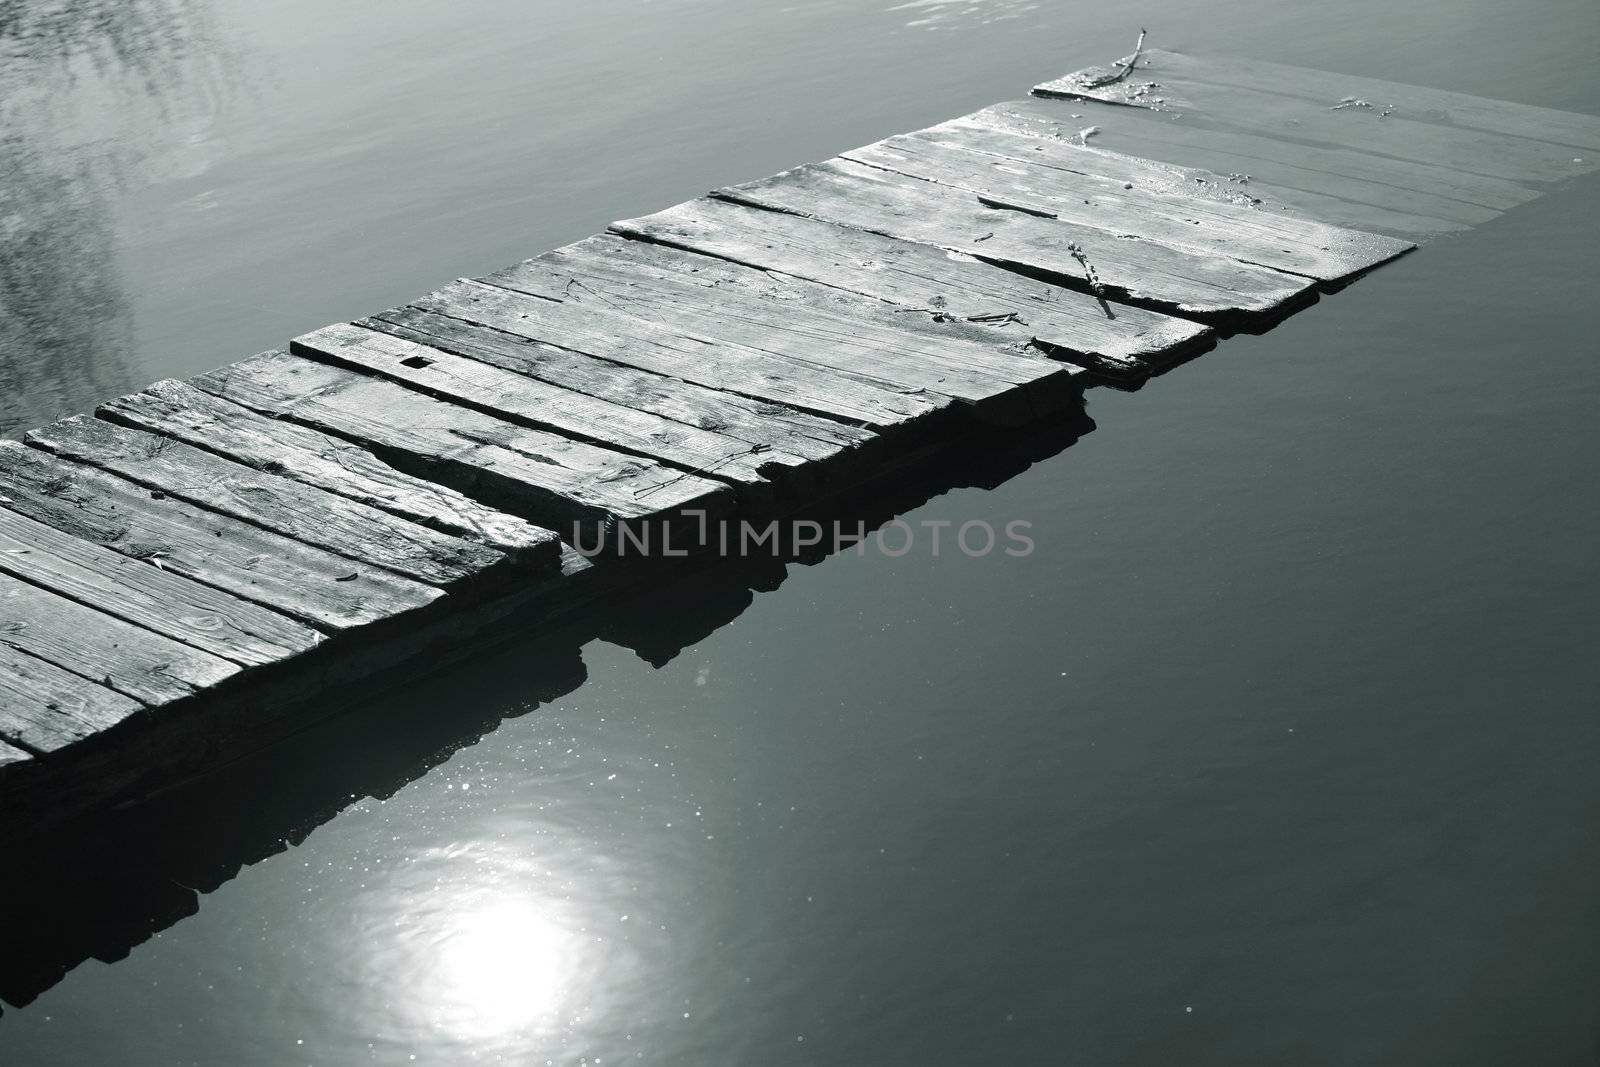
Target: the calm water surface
(1279, 749)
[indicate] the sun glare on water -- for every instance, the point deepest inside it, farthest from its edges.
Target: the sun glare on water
(503, 968)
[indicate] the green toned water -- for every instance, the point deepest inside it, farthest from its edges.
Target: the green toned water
(1279, 748)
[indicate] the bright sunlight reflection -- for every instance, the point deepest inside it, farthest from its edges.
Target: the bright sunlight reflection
(503, 967)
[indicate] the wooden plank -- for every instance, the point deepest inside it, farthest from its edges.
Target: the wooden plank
(532, 402)
(548, 479)
(179, 410)
(1341, 172)
(1216, 164)
(278, 504)
(919, 277)
(306, 583)
(1234, 193)
(1439, 106)
(148, 595)
(1170, 214)
(1373, 128)
(631, 341)
(804, 322)
(44, 708)
(1131, 270)
(758, 422)
(136, 662)
(11, 757)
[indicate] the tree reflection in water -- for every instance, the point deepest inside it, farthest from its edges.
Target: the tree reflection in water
(96, 97)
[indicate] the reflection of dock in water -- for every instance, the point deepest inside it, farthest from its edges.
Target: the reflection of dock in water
(188, 574)
(74, 75)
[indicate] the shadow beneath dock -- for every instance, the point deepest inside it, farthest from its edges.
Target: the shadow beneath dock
(98, 887)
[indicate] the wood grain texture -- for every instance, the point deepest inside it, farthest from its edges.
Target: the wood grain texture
(607, 333)
(531, 402)
(315, 586)
(145, 593)
(1275, 176)
(1438, 106)
(181, 411)
(278, 504)
(919, 278)
(1032, 171)
(1344, 172)
(758, 422)
(136, 662)
(44, 709)
(548, 479)
(1280, 111)
(803, 322)
(1130, 269)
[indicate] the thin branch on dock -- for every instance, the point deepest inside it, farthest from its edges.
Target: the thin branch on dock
(1092, 276)
(1124, 67)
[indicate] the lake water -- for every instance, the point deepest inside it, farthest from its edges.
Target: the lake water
(1279, 748)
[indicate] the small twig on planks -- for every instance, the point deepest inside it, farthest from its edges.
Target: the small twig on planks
(1092, 276)
(1124, 68)
(998, 318)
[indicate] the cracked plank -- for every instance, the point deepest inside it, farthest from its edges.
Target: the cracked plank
(306, 583)
(1130, 269)
(919, 277)
(181, 411)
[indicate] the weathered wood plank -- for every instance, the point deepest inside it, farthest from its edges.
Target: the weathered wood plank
(1356, 175)
(635, 342)
(1439, 106)
(758, 422)
(278, 504)
(1031, 171)
(1216, 166)
(548, 479)
(136, 662)
(44, 708)
(1130, 269)
(919, 277)
(11, 756)
(306, 583)
(147, 594)
(531, 402)
(801, 321)
(179, 410)
(1372, 128)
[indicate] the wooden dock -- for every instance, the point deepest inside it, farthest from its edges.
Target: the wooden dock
(187, 570)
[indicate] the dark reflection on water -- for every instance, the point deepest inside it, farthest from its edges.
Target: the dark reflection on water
(196, 838)
(74, 78)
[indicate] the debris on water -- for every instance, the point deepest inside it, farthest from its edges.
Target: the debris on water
(1122, 69)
